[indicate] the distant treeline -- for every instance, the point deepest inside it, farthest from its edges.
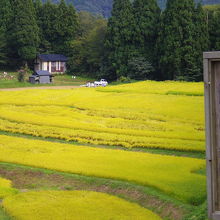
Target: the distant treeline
(139, 41)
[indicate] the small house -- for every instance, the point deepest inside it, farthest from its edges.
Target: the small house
(54, 63)
(41, 76)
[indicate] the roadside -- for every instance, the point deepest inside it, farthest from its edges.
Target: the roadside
(40, 87)
(58, 81)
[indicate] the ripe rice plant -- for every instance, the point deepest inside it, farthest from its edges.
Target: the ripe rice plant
(166, 115)
(172, 175)
(75, 205)
(6, 188)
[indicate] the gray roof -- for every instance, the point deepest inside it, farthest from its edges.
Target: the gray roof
(42, 73)
(52, 57)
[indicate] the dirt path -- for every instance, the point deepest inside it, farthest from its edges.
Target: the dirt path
(40, 87)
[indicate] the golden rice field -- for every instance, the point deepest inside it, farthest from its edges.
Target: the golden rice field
(144, 115)
(6, 188)
(166, 115)
(80, 204)
(172, 175)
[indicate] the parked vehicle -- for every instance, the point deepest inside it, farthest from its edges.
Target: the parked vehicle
(89, 84)
(102, 82)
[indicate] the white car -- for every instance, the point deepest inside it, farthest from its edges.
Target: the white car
(102, 82)
(89, 84)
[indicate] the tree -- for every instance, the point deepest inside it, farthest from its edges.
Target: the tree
(65, 25)
(214, 29)
(87, 50)
(202, 39)
(176, 44)
(24, 32)
(3, 46)
(58, 26)
(5, 14)
(119, 44)
(46, 20)
(139, 68)
(94, 47)
(146, 14)
(5, 21)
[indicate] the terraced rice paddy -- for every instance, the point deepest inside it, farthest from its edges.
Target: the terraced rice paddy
(113, 116)
(80, 204)
(100, 128)
(6, 188)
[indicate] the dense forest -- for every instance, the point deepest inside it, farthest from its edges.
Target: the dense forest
(139, 41)
(104, 7)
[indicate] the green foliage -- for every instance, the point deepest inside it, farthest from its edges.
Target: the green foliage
(58, 26)
(5, 20)
(5, 14)
(119, 40)
(182, 39)
(21, 75)
(86, 51)
(104, 7)
(24, 30)
(65, 26)
(138, 37)
(201, 39)
(2, 47)
(139, 68)
(124, 79)
(214, 28)
(146, 15)
(200, 213)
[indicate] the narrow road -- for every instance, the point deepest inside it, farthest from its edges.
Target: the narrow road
(40, 87)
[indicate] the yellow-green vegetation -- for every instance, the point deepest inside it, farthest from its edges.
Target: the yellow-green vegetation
(212, 8)
(166, 115)
(172, 175)
(77, 205)
(6, 188)
(11, 81)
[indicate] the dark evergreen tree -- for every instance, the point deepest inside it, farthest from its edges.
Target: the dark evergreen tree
(3, 47)
(24, 32)
(139, 68)
(146, 14)
(119, 44)
(5, 14)
(5, 20)
(201, 39)
(46, 20)
(66, 25)
(214, 29)
(86, 51)
(58, 25)
(43, 44)
(177, 44)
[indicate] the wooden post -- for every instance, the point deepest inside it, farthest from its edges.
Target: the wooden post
(212, 109)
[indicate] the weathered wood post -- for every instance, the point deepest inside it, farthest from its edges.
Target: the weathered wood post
(212, 107)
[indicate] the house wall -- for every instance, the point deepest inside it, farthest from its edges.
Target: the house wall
(44, 65)
(56, 67)
(50, 67)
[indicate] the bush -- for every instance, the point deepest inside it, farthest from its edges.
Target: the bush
(139, 68)
(22, 73)
(124, 79)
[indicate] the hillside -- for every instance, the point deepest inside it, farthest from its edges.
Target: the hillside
(103, 7)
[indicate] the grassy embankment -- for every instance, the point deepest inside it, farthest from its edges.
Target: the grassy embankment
(11, 81)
